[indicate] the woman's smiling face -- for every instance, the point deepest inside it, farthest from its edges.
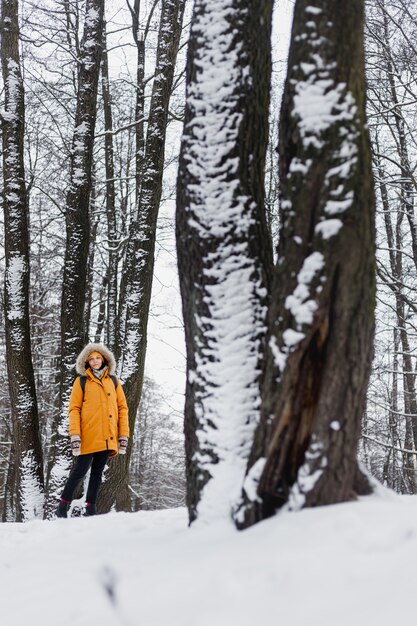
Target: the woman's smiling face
(95, 361)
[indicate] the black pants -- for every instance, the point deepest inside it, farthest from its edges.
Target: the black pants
(97, 460)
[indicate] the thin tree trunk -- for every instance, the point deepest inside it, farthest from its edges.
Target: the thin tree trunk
(136, 284)
(73, 331)
(321, 322)
(395, 246)
(89, 269)
(28, 476)
(101, 317)
(408, 188)
(139, 38)
(112, 239)
(10, 496)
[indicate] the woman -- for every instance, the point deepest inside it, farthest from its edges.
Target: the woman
(98, 422)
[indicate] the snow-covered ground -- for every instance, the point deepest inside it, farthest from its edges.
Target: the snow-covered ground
(346, 565)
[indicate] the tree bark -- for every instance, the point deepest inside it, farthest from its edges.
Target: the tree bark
(73, 330)
(139, 38)
(93, 221)
(112, 238)
(28, 478)
(321, 319)
(223, 244)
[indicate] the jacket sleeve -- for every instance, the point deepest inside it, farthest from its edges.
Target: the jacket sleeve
(74, 411)
(123, 411)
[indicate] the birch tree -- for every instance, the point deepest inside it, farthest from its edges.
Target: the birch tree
(223, 244)
(27, 485)
(73, 331)
(321, 319)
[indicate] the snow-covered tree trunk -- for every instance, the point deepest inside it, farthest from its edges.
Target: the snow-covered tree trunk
(112, 243)
(137, 275)
(28, 480)
(321, 321)
(139, 36)
(224, 248)
(93, 221)
(73, 331)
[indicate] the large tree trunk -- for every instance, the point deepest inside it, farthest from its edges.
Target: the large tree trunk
(136, 284)
(28, 480)
(224, 248)
(73, 330)
(321, 322)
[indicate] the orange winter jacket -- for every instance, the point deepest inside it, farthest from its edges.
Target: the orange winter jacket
(99, 415)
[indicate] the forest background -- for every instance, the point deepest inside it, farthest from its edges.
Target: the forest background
(128, 105)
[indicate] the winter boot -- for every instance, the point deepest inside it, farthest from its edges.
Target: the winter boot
(90, 509)
(62, 510)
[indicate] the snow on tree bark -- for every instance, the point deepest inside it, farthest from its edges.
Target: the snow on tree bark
(28, 482)
(321, 321)
(73, 331)
(224, 249)
(139, 38)
(112, 243)
(137, 275)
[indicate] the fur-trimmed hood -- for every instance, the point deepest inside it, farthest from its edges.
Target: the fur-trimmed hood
(81, 362)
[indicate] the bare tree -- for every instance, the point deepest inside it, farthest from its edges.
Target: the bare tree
(390, 435)
(156, 472)
(111, 215)
(137, 274)
(26, 483)
(73, 331)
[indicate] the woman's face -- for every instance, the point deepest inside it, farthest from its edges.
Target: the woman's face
(95, 361)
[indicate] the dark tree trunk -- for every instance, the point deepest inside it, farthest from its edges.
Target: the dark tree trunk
(101, 317)
(136, 283)
(112, 239)
(224, 248)
(407, 192)
(139, 35)
(10, 496)
(321, 321)
(28, 479)
(73, 330)
(93, 220)
(408, 187)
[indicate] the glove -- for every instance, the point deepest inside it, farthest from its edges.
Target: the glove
(75, 445)
(122, 445)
